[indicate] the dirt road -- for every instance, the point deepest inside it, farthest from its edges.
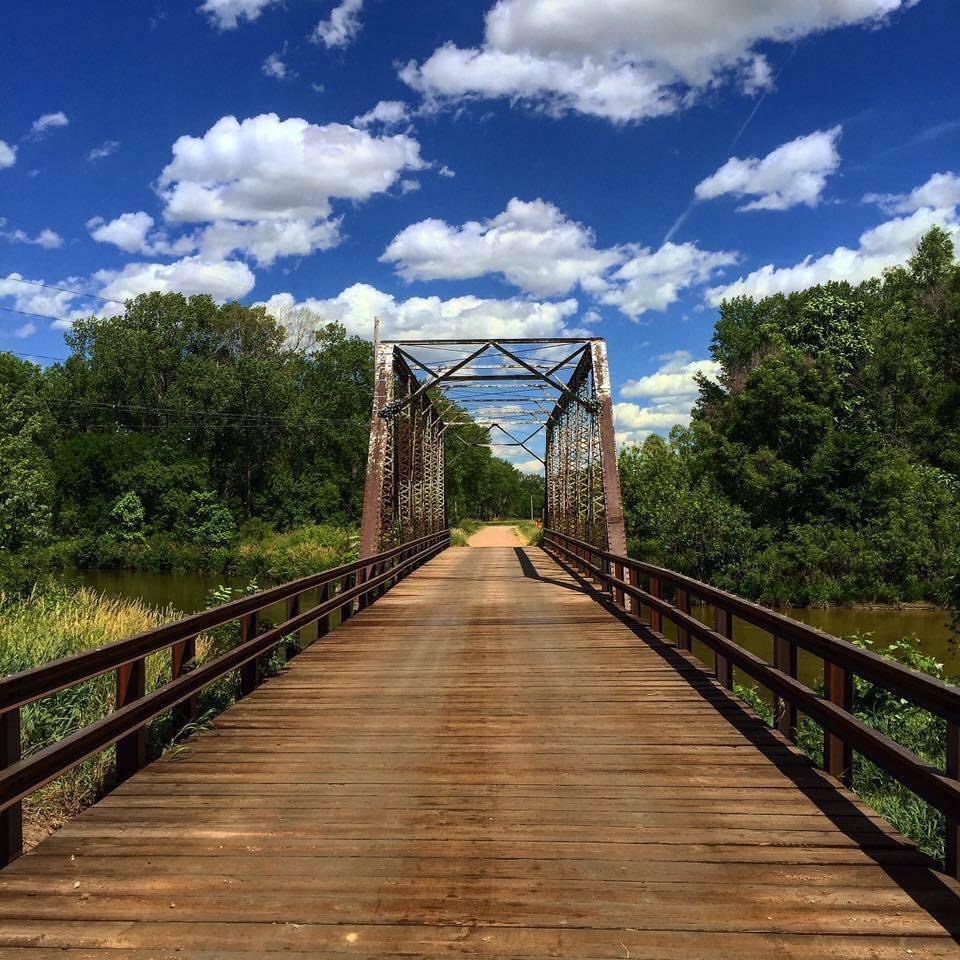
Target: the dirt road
(496, 537)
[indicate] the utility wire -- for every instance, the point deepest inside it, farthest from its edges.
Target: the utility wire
(50, 286)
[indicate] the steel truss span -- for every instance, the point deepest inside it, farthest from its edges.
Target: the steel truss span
(545, 399)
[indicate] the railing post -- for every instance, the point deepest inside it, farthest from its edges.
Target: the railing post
(784, 712)
(346, 611)
(683, 605)
(293, 645)
(723, 624)
(11, 820)
(180, 656)
(837, 755)
(323, 595)
(250, 671)
(656, 617)
(618, 591)
(952, 845)
(131, 749)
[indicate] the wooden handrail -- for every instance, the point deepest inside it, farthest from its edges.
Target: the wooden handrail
(22, 688)
(844, 732)
(125, 725)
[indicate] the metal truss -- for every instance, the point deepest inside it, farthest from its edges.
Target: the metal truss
(548, 399)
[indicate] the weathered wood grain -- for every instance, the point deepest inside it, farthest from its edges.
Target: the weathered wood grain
(486, 763)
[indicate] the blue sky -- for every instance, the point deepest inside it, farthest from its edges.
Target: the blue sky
(535, 167)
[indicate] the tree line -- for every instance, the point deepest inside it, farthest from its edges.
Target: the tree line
(201, 423)
(823, 464)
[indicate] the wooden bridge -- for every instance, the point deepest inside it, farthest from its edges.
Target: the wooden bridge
(493, 759)
(481, 752)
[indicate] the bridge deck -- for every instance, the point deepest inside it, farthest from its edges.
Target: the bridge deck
(486, 762)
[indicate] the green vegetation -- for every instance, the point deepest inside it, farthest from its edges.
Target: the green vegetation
(824, 465)
(189, 436)
(911, 727)
(55, 623)
(58, 621)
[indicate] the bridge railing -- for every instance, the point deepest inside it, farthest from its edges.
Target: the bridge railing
(634, 586)
(346, 589)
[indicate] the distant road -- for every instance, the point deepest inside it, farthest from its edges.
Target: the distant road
(496, 537)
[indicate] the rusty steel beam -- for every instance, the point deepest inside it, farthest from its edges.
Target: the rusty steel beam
(613, 503)
(378, 451)
(405, 493)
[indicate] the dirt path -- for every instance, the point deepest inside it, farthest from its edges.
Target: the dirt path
(496, 537)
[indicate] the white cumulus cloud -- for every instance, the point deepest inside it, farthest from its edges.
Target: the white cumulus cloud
(46, 238)
(104, 150)
(941, 191)
(227, 14)
(626, 60)
(389, 113)
(222, 279)
(654, 279)
(531, 244)
(265, 168)
(792, 174)
(431, 317)
(535, 247)
(342, 27)
(44, 124)
(669, 394)
(887, 245)
(128, 231)
(8, 155)
(274, 67)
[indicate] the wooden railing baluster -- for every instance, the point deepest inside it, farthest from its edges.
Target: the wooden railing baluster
(618, 591)
(784, 712)
(837, 755)
(131, 749)
(292, 647)
(656, 618)
(250, 671)
(723, 624)
(952, 838)
(11, 819)
(683, 605)
(181, 655)
(324, 626)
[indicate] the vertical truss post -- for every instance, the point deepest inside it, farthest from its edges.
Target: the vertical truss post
(378, 452)
(613, 504)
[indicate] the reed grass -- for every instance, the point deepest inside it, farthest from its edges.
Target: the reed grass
(54, 622)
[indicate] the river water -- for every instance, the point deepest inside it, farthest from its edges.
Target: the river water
(189, 592)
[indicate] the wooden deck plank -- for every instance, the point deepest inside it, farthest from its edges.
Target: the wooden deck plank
(484, 763)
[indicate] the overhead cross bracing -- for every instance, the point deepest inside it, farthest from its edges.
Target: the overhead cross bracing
(545, 399)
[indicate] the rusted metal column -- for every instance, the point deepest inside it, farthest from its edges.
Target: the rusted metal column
(613, 504)
(380, 431)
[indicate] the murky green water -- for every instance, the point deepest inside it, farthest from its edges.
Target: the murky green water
(885, 626)
(190, 592)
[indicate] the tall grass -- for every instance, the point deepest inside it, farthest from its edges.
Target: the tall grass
(54, 622)
(919, 731)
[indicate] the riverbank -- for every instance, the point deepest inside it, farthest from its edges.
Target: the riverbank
(258, 552)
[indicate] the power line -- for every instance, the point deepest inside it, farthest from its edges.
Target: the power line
(39, 316)
(76, 293)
